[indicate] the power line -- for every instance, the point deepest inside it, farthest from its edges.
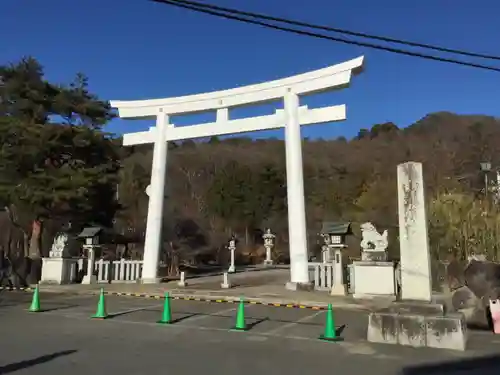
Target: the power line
(176, 3)
(333, 29)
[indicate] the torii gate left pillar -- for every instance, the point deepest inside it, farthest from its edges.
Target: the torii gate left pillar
(291, 118)
(154, 223)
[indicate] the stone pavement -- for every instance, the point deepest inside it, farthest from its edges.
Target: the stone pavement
(266, 287)
(62, 339)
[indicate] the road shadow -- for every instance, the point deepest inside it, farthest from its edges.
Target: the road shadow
(180, 319)
(56, 308)
(43, 309)
(487, 365)
(16, 366)
(248, 316)
(121, 313)
(255, 322)
(340, 329)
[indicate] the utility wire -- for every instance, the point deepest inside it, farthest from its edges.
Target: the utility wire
(337, 30)
(176, 3)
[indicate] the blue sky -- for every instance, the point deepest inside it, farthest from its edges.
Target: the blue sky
(135, 49)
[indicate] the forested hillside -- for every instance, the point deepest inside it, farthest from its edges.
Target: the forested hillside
(58, 166)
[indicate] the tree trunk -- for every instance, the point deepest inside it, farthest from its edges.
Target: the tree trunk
(26, 245)
(34, 253)
(35, 240)
(8, 243)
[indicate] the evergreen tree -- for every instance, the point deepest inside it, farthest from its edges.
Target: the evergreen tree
(55, 162)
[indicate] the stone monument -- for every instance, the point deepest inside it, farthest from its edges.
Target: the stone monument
(59, 248)
(268, 244)
(373, 244)
(415, 320)
(373, 266)
(57, 268)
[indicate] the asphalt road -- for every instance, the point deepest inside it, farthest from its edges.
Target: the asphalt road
(64, 340)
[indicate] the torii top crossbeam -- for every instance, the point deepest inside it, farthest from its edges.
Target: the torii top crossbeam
(333, 77)
(307, 83)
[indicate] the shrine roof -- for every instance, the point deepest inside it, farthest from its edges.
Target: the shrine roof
(90, 232)
(337, 228)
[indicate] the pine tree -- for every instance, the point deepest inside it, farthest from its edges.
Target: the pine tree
(55, 161)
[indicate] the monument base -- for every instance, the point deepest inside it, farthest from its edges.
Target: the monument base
(418, 324)
(149, 280)
(338, 290)
(365, 272)
(299, 286)
(380, 297)
(92, 279)
(57, 271)
(374, 256)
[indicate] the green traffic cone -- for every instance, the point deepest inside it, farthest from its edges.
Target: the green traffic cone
(240, 317)
(35, 302)
(166, 317)
(101, 307)
(330, 331)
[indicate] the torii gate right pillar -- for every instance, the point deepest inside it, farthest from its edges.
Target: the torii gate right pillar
(297, 231)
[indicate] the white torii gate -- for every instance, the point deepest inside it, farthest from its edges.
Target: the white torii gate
(293, 115)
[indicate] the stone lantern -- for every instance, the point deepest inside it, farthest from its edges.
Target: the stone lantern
(269, 239)
(91, 235)
(334, 236)
(232, 248)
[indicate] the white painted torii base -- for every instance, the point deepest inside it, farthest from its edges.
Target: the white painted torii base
(291, 118)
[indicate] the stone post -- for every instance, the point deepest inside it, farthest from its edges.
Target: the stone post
(226, 284)
(339, 288)
(89, 277)
(413, 237)
(182, 279)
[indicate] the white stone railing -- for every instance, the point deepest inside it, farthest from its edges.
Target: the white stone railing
(115, 271)
(119, 270)
(322, 275)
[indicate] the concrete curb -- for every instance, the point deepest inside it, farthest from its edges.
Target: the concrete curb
(28, 289)
(249, 300)
(277, 302)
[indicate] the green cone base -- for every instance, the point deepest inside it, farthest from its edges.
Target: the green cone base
(99, 317)
(243, 329)
(331, 339)
(163, 322)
